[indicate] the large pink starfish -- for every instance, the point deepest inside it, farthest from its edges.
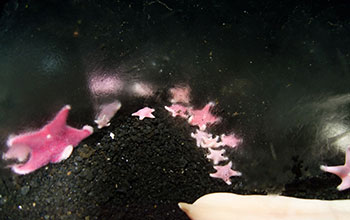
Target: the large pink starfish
(52, 143)
(203, 117)
(342, 171)
(225, 172)
(144, 113)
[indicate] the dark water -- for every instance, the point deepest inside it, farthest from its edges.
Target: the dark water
(278, 71)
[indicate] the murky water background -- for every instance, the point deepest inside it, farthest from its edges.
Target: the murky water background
(279, 72)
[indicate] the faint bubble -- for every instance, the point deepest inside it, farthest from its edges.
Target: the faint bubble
(105, 85)
(52, 63)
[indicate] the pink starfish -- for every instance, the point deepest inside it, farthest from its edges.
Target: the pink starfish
(203, 117)
(230, 140)
(200, 136)
(216, 155)
(178, 110)
(106, 113)
(180, 94)
(225, 172)
(342, 171)
(144, 113)
(52, 143)
(211, 142)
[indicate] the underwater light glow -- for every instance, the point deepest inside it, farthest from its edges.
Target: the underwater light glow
(337, 134)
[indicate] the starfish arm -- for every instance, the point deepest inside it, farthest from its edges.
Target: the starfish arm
(345, 184)
(228, 182)
(30, 139)
(18, 152)
(170, 110)
(37, 159)
(190, 119)
(340, 171)
(194, 136)
(235, 173)
(202, 127)
(59, 122)
(207, 107)
(74, 136)
(211, 119)
(219, 175)
(215, 175)
(102, 121)
(67, 151)
(137, 114)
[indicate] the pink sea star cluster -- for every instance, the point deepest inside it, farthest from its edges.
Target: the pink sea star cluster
(196, 117)
(55, 141)
(206, 140)
(342, 171)
(52, 143)
(202, 118)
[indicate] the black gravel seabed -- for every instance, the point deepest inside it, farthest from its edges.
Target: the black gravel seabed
(143, 173)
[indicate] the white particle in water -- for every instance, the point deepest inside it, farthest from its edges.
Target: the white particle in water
(112, 135)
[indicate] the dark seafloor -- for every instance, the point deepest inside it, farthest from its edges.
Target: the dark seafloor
(278, 71)
(143, 173)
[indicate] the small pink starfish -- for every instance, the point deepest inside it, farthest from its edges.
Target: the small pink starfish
(216, 155)
(230, 140)
(178, 110)
(52, 143)
(180, 94)
(211, 142)
(342, 171)
(200, 136)
(144, 113)
(203, 117)
(106, 113)
(225, 172)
